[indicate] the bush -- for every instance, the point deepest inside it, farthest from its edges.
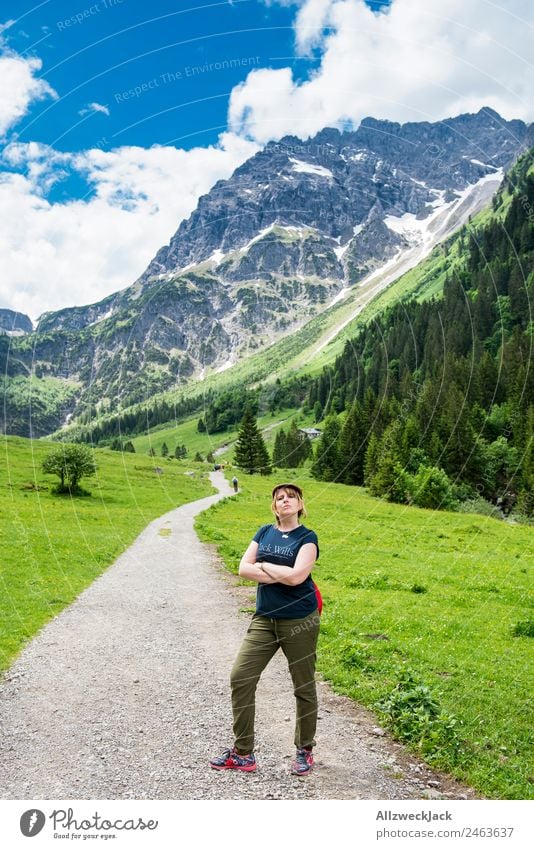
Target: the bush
(414, 715)
(479, 505)
(432, 488)
(524, 628)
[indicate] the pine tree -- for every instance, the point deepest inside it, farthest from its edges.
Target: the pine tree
(251, 453)
(164, 450)
(327, 465)
(371, 458)
(279, 451)
(294, 441)
(353, 444)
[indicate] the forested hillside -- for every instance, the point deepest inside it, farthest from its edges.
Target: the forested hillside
(434, 401)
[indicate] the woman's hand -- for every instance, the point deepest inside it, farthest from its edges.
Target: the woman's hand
(294, 575)
(250, 569)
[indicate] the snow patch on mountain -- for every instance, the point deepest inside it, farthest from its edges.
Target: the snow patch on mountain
(339, 297)
(217, 256)
(102, 318)
(307, 168)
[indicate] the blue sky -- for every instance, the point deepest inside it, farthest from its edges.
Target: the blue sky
(115, 115)
(163, 70)
(164, 57)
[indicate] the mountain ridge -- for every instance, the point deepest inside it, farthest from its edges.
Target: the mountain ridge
(294, 229)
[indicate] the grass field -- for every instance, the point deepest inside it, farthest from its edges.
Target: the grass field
(52, 547)
(420, 611)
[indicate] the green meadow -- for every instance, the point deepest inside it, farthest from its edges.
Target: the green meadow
(52, 547)
(427, 620)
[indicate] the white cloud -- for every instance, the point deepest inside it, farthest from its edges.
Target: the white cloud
(94, 107)
(7, 25)
(312, 17)
(414, 61)
(57, 254)
(19, 88)
(60, 254)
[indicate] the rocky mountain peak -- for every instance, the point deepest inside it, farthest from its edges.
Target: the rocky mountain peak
(295, 228)
(14, 323)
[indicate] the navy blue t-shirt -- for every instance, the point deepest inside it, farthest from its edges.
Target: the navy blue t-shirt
(279, 601)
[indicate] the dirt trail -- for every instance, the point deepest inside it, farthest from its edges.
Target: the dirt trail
(125, 695)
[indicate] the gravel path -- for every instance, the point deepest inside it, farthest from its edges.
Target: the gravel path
(125, 695)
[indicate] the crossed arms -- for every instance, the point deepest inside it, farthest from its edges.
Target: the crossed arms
(272, 573)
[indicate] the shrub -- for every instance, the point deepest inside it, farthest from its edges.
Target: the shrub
(479, 505)
(524, 628)
(414, 715)
(432, 488)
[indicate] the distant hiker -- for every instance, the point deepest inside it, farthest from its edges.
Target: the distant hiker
(280, 558)
(235, 483)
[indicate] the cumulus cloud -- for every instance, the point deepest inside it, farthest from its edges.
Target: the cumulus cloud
(19, 87)
(312, 17)
(61, 254)
(413, 61)
(57, 254)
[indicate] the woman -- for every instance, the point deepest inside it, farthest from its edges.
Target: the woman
(280, 559)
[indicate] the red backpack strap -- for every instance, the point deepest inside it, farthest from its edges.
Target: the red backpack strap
(318, 596)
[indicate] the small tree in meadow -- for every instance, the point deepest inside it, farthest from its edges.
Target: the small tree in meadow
(70, 463)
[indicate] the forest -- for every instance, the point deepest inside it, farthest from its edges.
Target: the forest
(433, 402)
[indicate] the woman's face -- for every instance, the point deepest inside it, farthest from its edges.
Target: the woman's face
(286, 503)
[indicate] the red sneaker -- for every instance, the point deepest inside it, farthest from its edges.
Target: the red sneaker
(303, 763)
(231, 760)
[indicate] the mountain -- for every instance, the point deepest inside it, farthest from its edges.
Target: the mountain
(437, 395)
(14, 323)
(293, 230)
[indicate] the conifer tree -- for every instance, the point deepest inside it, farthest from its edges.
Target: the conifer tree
(279, 451)
(251, 453)
(371, 458)
(327, 465)
(353, 444)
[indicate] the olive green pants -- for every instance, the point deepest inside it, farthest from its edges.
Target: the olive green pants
(298, 640)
